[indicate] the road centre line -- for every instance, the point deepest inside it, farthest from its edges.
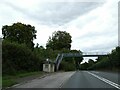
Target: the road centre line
(105, 80)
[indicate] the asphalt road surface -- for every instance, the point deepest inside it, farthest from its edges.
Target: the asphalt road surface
(77, 79)
(92, 79)
(50, 81)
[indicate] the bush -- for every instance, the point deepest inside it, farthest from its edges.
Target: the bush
(18, 57)
(67, 66)
(104, 63)
(112, 62)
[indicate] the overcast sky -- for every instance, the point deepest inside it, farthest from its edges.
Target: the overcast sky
(93, 24)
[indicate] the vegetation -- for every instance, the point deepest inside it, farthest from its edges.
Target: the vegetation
(9, 80)
(59, 40)
(110, 62)
(20, 55)
(20, 33)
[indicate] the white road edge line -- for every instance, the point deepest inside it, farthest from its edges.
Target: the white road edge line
(106, 80)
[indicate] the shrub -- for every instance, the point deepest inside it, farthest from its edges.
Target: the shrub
(18, 57)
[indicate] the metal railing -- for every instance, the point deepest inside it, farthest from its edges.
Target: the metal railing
(95, 53)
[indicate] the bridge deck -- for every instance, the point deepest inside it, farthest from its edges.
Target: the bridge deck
(84, 54)
(61, 56)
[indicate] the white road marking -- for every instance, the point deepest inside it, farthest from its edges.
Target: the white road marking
(105, 80)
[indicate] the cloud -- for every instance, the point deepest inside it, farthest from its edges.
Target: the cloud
(53, 13)
(92, 25)
(96, 30)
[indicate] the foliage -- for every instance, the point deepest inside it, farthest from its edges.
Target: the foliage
(9, 80)
(40, 52)
(84, 66)
(77, 60)
(111, 62)
(67, 66)
(103, 64)
(70, 63)
(20, 33)
(91, 62)
(115, 57)
(59, 40)
(18, 57)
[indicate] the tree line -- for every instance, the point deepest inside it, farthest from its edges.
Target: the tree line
(19, 53)
(110, 62)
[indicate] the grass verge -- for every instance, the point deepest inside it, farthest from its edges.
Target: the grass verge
(10, 80)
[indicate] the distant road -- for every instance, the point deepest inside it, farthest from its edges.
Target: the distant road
(92, 79)
(77, 79)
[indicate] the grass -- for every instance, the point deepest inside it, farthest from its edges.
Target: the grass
(10, 80)
(0, 81)
(28, 74)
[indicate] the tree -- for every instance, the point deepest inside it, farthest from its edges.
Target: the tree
(84, 66)
(59, 40)
(17, 58)
(91, 62)
(20, 33)
(78, 60)
(115, 57)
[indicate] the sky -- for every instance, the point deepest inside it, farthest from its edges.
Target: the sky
(93, 24)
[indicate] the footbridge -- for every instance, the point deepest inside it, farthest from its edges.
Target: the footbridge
(83, 54)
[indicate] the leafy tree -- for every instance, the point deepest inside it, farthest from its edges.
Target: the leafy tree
(77, 60)
(17, 57)
(20, 33)
(67, 66)
(84, 66)
(111, 62)
(115, 57)
(91, 62)
(99, 58)
(59, 40)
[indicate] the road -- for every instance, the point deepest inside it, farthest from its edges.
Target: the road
(77, 79)
(92, 79)
(50, 81)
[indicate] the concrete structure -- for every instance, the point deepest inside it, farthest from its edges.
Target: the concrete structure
(48, 66)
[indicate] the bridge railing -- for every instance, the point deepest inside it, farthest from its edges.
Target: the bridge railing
(71, 54)
(95, 53)
(84, 53)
